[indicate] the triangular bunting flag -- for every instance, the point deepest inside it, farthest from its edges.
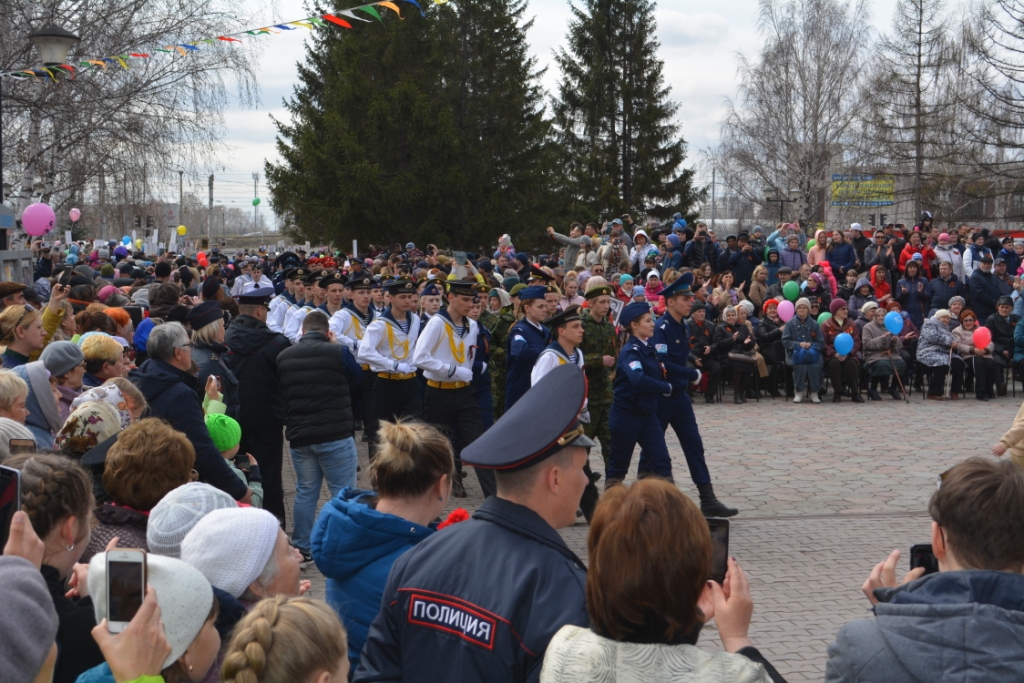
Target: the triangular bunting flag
(97, 62)
(303, 24)
(120, 60)
(371, 10)
(391, 6)
(283, 27)
(228, 39)
(417, 7)
(352, 15)
(189, 47)
(335, 20)
(140, 55)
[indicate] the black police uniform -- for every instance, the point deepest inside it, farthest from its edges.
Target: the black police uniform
(481, 600)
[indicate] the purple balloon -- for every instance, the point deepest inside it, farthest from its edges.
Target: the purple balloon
(786, 310)
(38, 219)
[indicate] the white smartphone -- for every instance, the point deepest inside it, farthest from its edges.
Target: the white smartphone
(126, 586)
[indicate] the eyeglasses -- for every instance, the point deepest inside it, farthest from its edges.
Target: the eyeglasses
(190, 345)
(28, 309)
(967, 320)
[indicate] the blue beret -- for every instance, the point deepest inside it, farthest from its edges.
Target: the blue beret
(535, 292)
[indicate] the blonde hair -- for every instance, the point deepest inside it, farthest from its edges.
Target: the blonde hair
(12, 388)
(14, 317)
(411, 457)
(99, 349)
(207, 333)
(282, 640)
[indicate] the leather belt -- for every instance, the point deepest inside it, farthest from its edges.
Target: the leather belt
(395, 375)
(446, 385)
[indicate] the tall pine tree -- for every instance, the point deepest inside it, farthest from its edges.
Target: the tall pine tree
(430, 129)
(622, 150)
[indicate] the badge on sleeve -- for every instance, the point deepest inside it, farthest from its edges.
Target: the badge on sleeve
(636, 365)
(661, 348)
(453, 615)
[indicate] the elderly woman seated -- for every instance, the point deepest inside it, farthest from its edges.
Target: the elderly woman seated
(804, 344)
(979, 360)
(736, 352)
(644, 538)
(937, 355)
(881, 349)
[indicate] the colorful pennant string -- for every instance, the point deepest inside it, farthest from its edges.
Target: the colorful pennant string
(188, 47)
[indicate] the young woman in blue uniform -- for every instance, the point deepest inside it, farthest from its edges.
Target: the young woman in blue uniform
(639, 384)
(526, 339)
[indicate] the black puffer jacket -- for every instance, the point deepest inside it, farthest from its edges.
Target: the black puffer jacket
(315, 376)
(253, 360)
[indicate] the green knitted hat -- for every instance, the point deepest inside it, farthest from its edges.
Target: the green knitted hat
(107, 270)
(225, 431)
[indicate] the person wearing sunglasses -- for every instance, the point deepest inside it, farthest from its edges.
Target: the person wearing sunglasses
(966, 617)
(21, 331)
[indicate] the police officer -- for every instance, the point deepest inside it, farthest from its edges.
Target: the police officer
(672, 346)
(445, 352)
(526, 340)
(481, 600)
(639, 383)
(387, 347)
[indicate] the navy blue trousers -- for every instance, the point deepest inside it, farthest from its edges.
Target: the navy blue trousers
(629, 428)
(677, 411)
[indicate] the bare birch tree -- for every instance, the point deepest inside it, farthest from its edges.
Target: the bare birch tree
(797, 102)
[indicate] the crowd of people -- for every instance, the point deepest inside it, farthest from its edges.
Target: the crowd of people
(157, 395)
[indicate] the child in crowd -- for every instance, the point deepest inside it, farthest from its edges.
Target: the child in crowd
(227, 435)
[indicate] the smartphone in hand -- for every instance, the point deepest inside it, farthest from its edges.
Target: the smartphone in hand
(10, 500)
(719, 529)
(126, 586)
(921, 555)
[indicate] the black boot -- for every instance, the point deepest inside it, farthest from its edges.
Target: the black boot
(737, 388)
(458, 490)
(894, 391)
(710, 506)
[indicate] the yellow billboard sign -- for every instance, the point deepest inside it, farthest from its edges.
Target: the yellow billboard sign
(850, 189)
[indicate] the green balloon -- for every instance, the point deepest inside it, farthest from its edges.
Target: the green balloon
(791, 290)
(256, 201)
(811, 243)
(823, 317)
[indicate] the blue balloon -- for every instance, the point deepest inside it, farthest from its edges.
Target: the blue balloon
(844, 343)
(126, 240)
(894, 322)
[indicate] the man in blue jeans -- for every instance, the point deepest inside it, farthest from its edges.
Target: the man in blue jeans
(315, 377)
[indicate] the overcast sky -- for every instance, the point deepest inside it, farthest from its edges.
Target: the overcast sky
(699, 44)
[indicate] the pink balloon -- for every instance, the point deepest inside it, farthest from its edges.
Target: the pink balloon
(74, 215)
(786, 310)
(38, 219)
(982, 337)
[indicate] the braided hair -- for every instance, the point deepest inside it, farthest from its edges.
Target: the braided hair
(285, 639)
(53, 488)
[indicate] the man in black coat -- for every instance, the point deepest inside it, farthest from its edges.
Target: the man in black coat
(315, 377)
(984, 289)
(252, 357)
(170, 390)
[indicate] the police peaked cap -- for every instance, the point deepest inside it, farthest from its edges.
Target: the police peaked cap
(680, 286)
(544, 421)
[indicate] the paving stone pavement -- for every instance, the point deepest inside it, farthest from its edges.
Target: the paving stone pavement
(825, 492)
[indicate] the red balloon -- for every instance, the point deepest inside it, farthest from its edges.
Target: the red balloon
(982, 337)
(203, 262)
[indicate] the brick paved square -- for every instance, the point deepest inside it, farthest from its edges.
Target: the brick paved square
(825, 492)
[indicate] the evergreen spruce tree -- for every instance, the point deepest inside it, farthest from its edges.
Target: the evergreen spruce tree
(622, 150)
(429, 129)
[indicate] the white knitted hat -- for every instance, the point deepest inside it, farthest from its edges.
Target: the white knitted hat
(231, 546)
(184, 596)
(180, 510)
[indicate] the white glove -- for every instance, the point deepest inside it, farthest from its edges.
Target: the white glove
(462, 375)
(699, 375)
(405, 369)
(585, 417)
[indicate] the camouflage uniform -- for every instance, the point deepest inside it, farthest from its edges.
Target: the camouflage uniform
(498, 325)
(599, 340)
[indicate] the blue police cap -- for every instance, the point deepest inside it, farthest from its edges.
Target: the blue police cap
(680, 286)
(255, 297)
(544, 421)
(633, 311)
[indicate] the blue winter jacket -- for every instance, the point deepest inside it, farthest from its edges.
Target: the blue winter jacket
(639, 378)
(961, 626)
(842, 257)
(354, 546)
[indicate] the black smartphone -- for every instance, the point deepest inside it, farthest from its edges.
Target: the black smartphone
(65, 278)
(242, 462)
(719, 548)
(21, 446)
(10, 501)
(136, 314)
(921, 555)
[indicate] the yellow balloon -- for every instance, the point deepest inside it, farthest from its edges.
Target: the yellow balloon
(182, 229)
(138, 244)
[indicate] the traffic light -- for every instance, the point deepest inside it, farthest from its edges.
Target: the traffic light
(871, 220)
(138, 221)
(149, 222)
(881, 219)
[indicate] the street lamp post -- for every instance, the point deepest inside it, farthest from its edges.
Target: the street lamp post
(769, 199)
(53, 44)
